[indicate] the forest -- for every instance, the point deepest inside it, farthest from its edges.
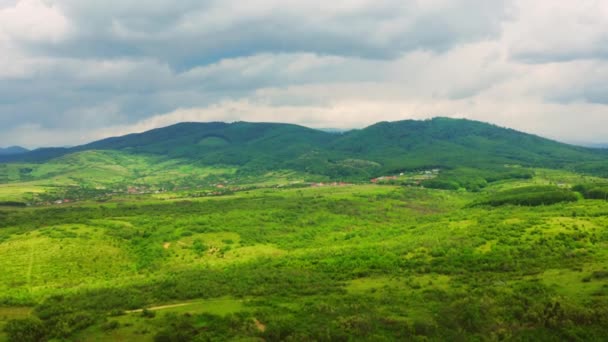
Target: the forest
(363, 262)
(437, 230)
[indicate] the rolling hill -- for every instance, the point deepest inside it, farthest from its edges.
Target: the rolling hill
(12, 150)
(383, 148)
(216, 231)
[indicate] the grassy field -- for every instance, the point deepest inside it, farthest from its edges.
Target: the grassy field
(105, 174)
(137, 326)
(375, 262)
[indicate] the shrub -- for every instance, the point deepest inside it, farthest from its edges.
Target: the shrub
(148, 313)
(25, 330)
(592, 191)
(530, 196)
(111, 325)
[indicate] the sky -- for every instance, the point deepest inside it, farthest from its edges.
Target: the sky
(74, 71)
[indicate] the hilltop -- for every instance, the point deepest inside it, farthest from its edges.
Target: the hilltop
(464, 154)
(385, 147)
(12, 150)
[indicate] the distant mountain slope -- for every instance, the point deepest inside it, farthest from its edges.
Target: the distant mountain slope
(382, 148)
(12, 150)
(237, 143)
(459, 142)
(601, 145)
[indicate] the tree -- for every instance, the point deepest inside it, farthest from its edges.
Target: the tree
(25, 330)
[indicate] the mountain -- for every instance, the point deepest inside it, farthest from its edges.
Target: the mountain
(597, 145)
(12, 150)
(385, 147)
(212, 143)
(458, 142)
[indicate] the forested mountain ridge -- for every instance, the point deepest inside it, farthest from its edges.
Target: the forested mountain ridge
(384, 147)
(260, 231)
(458, 142)
(12, 150)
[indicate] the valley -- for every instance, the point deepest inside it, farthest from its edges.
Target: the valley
(156, 248)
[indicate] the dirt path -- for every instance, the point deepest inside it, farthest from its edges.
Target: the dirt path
(160, 307)
(177, 305)
(261, 327)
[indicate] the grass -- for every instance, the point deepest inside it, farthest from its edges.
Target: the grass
(101, 170)
(8, 313)
(301, 259)
(21, 191)
(58, 258)
(571, 284)
(105, 174)
(133, 326)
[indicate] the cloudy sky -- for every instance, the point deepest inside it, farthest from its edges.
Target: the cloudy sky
(73, 71)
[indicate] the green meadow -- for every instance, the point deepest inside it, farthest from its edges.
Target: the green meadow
(356, 262)
(435, 230)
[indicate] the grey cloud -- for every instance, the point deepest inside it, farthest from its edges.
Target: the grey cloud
(122, 61)
(596, 93)
(191, 33)
(58, 95)
(581, 81)
(102, 68)
(559, 31)
(597, 50)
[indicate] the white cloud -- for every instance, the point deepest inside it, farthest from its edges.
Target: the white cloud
(33, 20)
(559, 30)
(72, 71)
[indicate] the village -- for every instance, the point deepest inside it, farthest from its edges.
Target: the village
(216, 188)
(409, 178)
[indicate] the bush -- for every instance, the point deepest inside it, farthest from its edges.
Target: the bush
(440, 184)
(475, 179)
(592, 191)
(111, 325)
(25, 330)
(600, 274)
(199, 247)
(530, 196)
(12, 204)
(66, 325)
(148, 313)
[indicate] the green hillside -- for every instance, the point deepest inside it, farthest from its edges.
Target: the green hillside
(361, 262)
(239, 143)
(437, 230)
(381, 148)
(91, 174)
(469, 154)
(12, 150)
(456, 143)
